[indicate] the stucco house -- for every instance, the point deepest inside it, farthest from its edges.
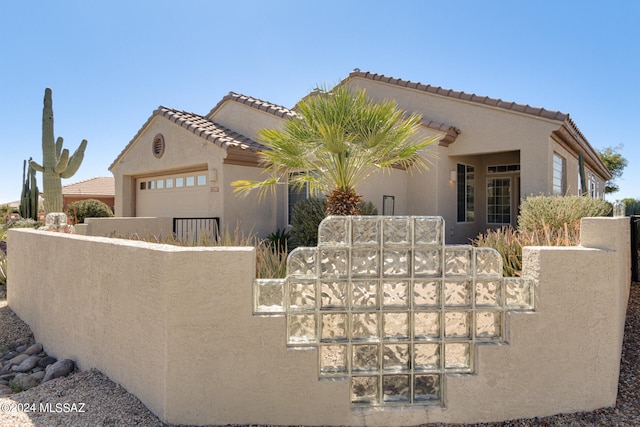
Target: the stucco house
(99, 188)
(490, 154)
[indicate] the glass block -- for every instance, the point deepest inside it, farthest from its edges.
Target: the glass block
(364, 390)
(427, 263)
(426, 388)
(426, 293)
(428, 231)
(302, 262)
(396, 388)
(365, 231)
(333, 327)
(334, 263)
(426, 325)
(396, 263)
(457, 324)
(489, 325)
(302, 295)
(365, 326)
(268, 296)
(395, 357)
(395, 326)
(301, 328)
(364, 294)
(333, 231)
(333, 359)
(426, 357)
(333, 294)
(488, 262)
(396, 231)
(395, 294)
(365, 263)
(457, 261)
(518, 293)
(365, 358)
(488, 293)
(457, 293)
(457, 356)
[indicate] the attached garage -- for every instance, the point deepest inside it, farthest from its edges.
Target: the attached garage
(184, 194)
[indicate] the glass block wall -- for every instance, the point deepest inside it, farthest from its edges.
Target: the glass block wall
(390, 307)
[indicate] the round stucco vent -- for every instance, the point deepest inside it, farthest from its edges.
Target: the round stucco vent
(158, 145)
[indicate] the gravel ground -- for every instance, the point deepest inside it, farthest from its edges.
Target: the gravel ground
(108, 404)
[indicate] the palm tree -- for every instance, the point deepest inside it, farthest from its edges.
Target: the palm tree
(338, 139)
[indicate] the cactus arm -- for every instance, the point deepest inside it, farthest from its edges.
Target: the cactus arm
(59, 142)
(36, 166)
(75, 160)
(62, 163)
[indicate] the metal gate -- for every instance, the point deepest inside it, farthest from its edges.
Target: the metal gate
(635, 247)
(193, 231)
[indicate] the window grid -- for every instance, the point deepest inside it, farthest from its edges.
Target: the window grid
(465, 192)
(390, 308)
(499, 201)
(559, 175)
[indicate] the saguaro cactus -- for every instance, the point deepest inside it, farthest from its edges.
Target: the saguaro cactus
(30, 193)
(56, 163)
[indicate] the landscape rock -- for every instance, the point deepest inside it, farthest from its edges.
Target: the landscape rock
(61, 368)
(5, 390)
(34, 349)
(28, 364)
(46, 361)
(25, 381)
(17, 343)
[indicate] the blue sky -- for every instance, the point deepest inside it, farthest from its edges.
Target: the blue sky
(111, 63)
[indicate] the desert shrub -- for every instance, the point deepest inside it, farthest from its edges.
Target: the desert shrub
(24, 223)
(306, 215)
(509, 243)
(278, 240)
(3, 269)
(90, 208)
(631, 206)
(554, 212)
(367, 208)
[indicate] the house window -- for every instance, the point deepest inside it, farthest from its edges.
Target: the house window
(388, 205)
(191, 181)
(295, 194)
(594, 186)
(160, 184)
(499, 201)
(143, 185)
(179, 182)
(465, 187)
(201, 180)
(151, 185)
(559, 175)
(169, 183)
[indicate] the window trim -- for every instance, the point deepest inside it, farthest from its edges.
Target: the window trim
(563, 172)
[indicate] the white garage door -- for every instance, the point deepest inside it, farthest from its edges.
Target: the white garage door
(176, 195)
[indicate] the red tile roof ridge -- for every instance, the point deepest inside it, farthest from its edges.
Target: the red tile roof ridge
(266, 106)
(493, 102)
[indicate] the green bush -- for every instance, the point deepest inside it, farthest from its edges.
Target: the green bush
(631, 206)
(367, 208)
(556, 211)
(24, 223)
(306, 215)
(90, 208)
(3, 270)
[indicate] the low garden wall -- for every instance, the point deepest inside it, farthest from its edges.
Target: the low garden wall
(176, 327)
(125, 226)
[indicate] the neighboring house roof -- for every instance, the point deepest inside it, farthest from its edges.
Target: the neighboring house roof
(268, 107)
(200, 126)
(568, 126)
(99, 186)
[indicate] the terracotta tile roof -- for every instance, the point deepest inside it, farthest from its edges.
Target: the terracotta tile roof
(99, 186)
(493, 102)
(211, 131)
(199, 126)
(268, 107)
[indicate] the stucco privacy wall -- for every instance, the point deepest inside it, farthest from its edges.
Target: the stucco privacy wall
(187, 312)
(125, 226)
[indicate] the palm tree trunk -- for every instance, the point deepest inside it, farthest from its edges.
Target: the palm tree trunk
(343, 202)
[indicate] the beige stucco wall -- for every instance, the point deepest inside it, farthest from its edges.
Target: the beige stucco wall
(125, 226)
(187, 313)
(244, 119)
